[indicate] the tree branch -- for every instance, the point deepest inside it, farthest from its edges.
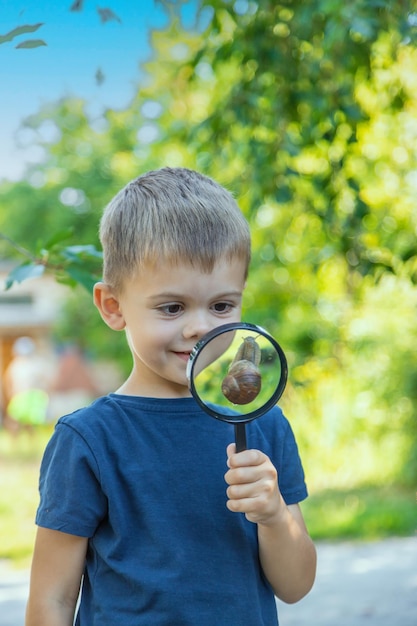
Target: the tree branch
(20, 249)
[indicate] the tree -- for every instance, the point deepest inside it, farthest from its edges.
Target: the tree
(306, 111)
(287, 97)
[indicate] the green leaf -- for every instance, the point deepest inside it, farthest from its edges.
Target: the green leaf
(20, 30)
(77, 5)
(24, 272)
(61, 235)
(107, 15)
(82, 277)
(99, 77)
(78, 254)
(31, 43)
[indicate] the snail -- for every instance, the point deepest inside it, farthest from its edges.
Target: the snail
(242, 383)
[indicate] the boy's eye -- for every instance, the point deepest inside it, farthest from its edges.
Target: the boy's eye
(171, 309)
(222, 307)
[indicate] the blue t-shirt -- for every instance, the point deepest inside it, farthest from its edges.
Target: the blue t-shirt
(143, 479)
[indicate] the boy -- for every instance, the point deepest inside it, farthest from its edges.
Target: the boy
(132, 488)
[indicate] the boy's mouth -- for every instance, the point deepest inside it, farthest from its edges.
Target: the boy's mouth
(183, 355)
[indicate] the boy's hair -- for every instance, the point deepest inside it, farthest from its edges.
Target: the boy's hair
(175, 215)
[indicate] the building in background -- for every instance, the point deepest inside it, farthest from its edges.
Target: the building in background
(29, 360)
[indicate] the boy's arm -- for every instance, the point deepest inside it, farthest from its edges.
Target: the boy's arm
(288, 555)
(286, 552)
(57, 568)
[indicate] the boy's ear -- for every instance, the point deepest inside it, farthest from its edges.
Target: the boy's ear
(108, 305)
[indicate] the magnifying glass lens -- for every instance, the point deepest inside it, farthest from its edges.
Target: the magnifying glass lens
(237, 372)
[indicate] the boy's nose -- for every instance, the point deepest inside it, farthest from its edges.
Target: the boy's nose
(196, 326)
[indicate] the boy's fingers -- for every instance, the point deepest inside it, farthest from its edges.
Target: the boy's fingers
(245, 458)
(231, 449)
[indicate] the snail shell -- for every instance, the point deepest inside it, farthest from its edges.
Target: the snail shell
(242, 383)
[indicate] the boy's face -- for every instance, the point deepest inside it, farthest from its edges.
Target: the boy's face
(165, 310)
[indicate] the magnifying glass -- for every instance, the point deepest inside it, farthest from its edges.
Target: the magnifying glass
(236, 373)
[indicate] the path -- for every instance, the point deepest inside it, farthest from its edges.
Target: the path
(360, 584)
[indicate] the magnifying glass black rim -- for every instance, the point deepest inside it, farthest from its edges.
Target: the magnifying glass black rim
(216, 332)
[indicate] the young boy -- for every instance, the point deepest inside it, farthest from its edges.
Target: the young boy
(145, 504)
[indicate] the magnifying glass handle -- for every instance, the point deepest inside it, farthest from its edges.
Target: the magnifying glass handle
(240, 437)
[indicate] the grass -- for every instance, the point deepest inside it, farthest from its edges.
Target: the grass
(20, 455)
(370, 512)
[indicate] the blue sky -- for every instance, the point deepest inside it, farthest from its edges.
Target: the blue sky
(77, 45)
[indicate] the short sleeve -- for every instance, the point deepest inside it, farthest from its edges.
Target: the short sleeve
(291, 477)
(71, 499)
(272, 433)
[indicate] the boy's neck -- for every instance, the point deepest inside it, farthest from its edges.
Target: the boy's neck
(134, 387)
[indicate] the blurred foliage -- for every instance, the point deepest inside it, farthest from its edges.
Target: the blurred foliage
(307, 112)
(366, 513)
(20, 455)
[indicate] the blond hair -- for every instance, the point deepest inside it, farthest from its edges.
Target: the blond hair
(172, 214)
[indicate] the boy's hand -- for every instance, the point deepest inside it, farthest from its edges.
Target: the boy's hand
(253, 486)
